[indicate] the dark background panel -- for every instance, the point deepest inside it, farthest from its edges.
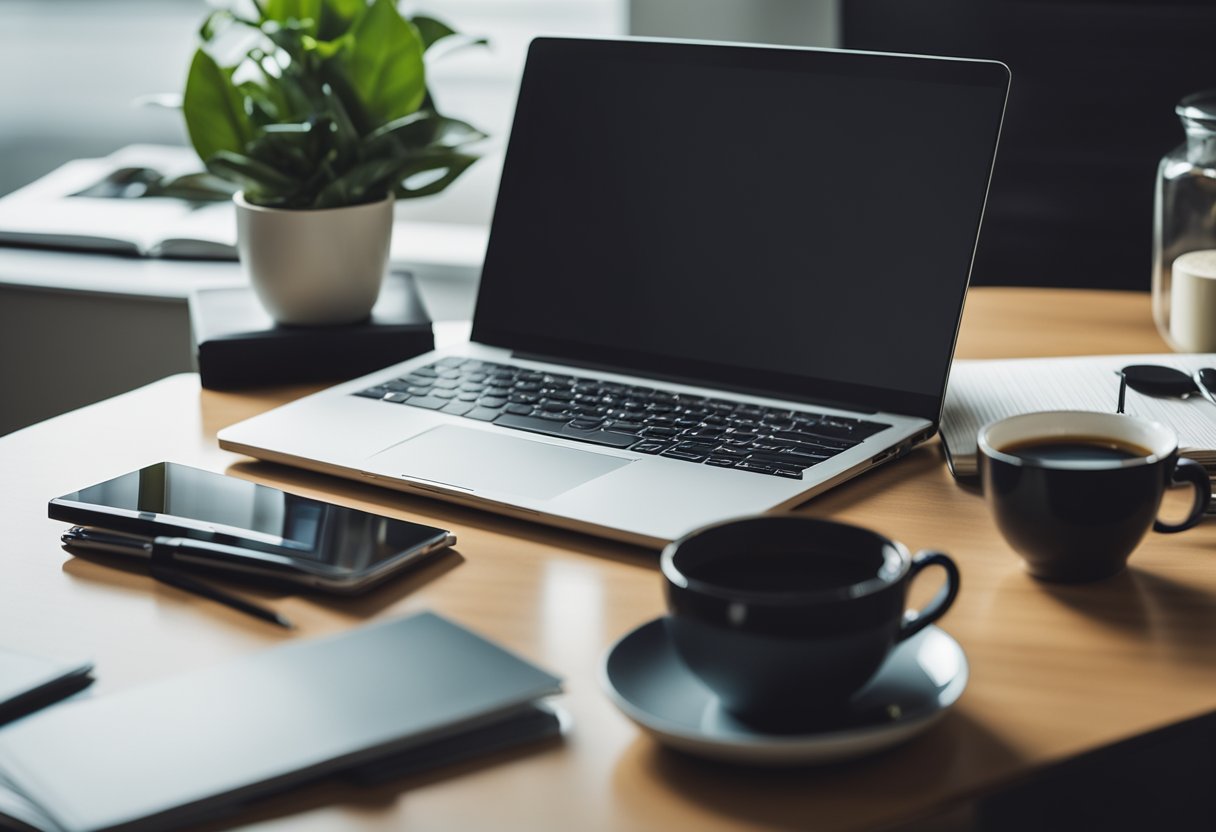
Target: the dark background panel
(1091, 112)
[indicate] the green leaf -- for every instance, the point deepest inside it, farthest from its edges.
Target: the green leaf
(368, 182)
(448, 163)
(327, 49)
(431, 30)
(384, 64)
(285, 10)
(426, 129)
(194, 187)
(263, 104)
(213, 109)
(346, 135)
(237, 167)
(337, 16)
(215, 23)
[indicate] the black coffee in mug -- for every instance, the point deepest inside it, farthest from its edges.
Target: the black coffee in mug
(1077, 448)
(786, 617)
(1074, 492)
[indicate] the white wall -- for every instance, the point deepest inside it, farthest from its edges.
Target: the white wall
(790, 22)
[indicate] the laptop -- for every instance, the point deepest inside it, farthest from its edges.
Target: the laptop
(720, 279)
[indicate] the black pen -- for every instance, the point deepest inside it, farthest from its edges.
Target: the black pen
(164, 570)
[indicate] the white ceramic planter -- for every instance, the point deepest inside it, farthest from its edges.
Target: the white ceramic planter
(315, 267)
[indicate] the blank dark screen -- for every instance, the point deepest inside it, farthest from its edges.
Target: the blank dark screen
(711, 211)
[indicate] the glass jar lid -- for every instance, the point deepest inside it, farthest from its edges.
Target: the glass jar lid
(1198, 109)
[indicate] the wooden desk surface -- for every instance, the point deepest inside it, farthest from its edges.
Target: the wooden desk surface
(1055, 670)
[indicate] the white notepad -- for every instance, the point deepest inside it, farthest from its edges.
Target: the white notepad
(982, 391)
(194, 746)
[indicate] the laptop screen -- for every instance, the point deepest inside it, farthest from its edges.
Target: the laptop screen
(788, 222)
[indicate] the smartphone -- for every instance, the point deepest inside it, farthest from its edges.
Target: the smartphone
(226, 523)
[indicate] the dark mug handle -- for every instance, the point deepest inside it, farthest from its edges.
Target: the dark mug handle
(1189, 471)
(916, 620)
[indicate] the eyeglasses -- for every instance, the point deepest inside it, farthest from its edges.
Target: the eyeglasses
(1166, 382)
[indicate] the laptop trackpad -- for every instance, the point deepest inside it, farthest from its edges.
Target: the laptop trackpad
(484, 461)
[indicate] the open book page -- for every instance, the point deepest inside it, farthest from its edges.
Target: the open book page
(48, 213)
(982, 391)
(207, 230)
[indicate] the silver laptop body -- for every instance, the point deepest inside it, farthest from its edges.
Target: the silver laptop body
(720, 280)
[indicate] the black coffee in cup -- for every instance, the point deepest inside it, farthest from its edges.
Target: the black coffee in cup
(785, 617)
(1075, 448)
(1074, 492)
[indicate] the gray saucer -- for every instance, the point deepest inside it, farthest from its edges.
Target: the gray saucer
(919, 682)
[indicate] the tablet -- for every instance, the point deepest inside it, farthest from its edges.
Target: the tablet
(226, 523)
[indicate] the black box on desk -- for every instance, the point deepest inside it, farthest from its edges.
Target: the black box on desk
(237, 344)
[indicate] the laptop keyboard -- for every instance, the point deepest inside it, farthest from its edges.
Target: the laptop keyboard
(696, 429)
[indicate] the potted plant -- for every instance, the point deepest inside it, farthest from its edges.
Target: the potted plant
(319, 111)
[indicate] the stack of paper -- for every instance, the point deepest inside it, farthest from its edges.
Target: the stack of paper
(983, 391)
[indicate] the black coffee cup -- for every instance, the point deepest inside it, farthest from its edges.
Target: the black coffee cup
(1074, 492)
(785, 616)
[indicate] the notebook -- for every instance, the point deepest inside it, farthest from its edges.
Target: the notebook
(983, 391)
(202, 744)
(720, 279)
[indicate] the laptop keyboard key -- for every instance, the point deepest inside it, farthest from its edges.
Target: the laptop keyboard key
(688, 456)
(586, 424)
(701, 448)
(484, 414)
(625, 426)
(538, 425)
(812, 440)
(649, 446)
(758, 467)
(456, 408)
(428, 402)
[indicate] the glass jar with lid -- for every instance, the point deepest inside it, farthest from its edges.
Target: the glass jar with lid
(1184, 232)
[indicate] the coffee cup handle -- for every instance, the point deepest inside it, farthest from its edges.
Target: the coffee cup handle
(1189, 471)
(916, 620)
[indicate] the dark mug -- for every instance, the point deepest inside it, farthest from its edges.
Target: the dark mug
(1074, 492)
(785, 616)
